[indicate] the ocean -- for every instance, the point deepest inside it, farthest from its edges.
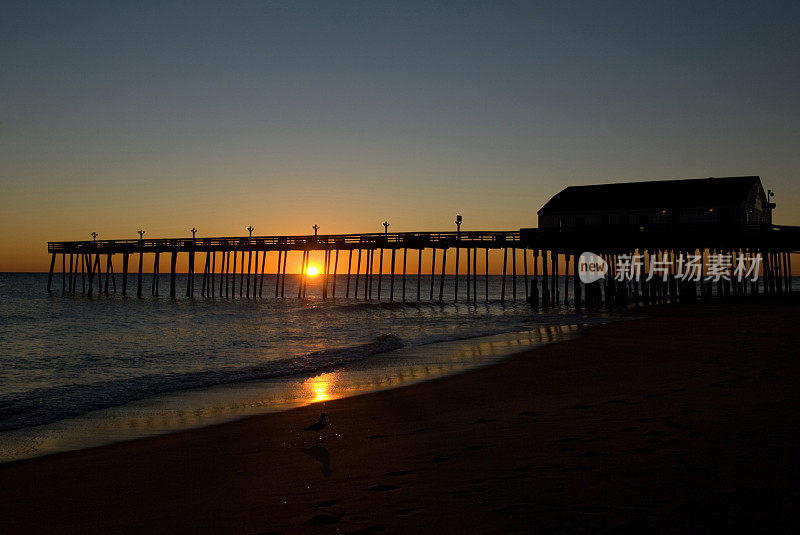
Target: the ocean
(77, 371)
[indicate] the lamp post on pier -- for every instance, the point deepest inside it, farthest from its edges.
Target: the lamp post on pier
(386, 228)
(141, 234)
(770, 205)
(194, 231)
(94, 236)
(316, 228)
(458, 226)
(251, 229)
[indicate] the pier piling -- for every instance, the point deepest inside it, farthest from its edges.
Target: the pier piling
(125, 274)
(441, 280)
(503, 280)
(50, 276)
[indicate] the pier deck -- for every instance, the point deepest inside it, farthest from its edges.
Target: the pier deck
(391, 240)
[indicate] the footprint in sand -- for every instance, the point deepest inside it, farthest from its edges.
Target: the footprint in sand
(370, 530)
(326, 503)
(552, 467)
(590, 509)
(581, 468)
(323, 520)
(383, 488)
(567, 440)
(470, 492)
(508, 510)
(397, 473)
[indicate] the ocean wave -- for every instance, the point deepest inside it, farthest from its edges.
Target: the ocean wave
(483, 333)
(47, 405)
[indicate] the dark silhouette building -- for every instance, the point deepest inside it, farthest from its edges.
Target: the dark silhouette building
(731, 202)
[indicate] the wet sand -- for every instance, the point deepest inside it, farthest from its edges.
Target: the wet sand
(688, 418)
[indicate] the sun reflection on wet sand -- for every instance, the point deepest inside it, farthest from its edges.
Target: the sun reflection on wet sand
(319, 386)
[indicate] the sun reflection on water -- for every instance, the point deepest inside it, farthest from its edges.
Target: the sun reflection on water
(320, 386)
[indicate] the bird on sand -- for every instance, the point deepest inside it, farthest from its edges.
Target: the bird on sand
(319, 426)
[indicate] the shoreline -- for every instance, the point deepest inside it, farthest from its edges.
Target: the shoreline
(194, 408)
(617, 428)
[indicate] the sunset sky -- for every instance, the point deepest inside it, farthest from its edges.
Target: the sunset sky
(117, 116)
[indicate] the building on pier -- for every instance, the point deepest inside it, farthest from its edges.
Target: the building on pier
(731, 202)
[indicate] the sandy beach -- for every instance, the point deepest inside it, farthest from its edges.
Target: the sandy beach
(688, 418)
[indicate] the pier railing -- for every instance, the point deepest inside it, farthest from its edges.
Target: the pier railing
(411, 240)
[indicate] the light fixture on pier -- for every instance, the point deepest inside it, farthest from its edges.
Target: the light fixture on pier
(316, 228)
(94, 236)
(386, 227)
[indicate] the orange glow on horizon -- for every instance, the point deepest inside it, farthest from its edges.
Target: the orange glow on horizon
(312, 271)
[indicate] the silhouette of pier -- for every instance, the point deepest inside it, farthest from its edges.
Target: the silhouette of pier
(231, 263)
(237, 266)
(661, 223)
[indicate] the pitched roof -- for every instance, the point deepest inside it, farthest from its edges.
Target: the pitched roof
(659, 194)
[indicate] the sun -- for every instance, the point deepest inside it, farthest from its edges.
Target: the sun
(312, 271)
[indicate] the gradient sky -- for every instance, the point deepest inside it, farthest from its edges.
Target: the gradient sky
(168, 115)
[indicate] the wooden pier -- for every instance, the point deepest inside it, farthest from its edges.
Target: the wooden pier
(235, 267)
